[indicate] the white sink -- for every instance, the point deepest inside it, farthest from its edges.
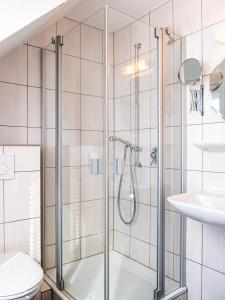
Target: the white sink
(206, 207)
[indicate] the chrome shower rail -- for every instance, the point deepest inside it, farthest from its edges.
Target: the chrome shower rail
(137, 47)
(58, 161)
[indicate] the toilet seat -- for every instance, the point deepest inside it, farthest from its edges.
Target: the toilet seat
(19, 275)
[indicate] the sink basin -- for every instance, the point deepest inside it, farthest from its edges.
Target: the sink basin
(206, 207)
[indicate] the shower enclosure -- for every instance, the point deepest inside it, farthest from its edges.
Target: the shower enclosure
(112, 152)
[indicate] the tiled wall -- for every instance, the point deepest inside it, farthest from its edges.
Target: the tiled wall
(206, 170)
(20, 202)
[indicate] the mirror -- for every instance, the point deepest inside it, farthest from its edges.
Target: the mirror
(217, 88)
(190, 71)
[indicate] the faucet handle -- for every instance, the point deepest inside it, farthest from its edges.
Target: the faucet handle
(154, 156)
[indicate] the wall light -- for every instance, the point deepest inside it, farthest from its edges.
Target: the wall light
(220, 36)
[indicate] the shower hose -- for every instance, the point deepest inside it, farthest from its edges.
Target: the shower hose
(133, 191)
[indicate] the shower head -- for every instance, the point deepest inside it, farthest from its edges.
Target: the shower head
(115, 139)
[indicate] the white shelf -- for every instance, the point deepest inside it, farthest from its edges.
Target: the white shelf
(211, 147)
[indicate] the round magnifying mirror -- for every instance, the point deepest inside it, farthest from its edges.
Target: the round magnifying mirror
(190, 71)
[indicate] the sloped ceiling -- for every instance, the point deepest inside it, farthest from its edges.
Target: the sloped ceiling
(18, 23)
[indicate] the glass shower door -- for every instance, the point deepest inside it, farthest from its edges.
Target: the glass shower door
(82, 161)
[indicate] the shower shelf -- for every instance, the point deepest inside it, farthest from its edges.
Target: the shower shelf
(211, 147)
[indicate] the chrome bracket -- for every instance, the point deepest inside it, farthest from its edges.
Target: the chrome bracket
(60, 40)
(60, 284)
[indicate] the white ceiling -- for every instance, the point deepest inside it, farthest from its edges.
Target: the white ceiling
(89, 11)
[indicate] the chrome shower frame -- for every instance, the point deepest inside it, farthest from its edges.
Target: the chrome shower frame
(159, 293)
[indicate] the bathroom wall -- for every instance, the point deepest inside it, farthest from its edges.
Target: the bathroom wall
(200, 21)
(20, 200)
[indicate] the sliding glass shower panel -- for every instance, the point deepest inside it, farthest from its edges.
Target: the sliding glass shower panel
(83, 163)
(133, 137)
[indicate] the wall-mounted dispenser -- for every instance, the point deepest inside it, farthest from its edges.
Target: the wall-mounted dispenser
(190, 73)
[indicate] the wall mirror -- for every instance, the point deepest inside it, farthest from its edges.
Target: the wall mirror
(217, 88)
(190, 72)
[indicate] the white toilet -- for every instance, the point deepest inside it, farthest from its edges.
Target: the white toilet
(20, 276)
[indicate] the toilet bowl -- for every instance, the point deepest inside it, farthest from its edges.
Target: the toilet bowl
(20, 276)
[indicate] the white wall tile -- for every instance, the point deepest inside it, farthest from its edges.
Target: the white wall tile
(91, 245)
(70, 111)
(90, 108)
(23, 236)
(212, 12)
(184, 10)
(91, 78)
(91, 217)
(154, 225)
(143, 183)
(169, 231)
(71, 251)
(144, 110)
(94, 184)
(34, 107)
(194, 240)
(50, 257)
(27, 158)
(211, 45)
(1, 238)
(13, 66)
(50, 69)
(34, 66)
(70, 186)
(13, 105)
(213, 161)
(71, 148)
(212, 285)
(22, 196)
(122, 80)
(122, 113)
(91, 146)
(71, 40)
(153, 257)
(91, 43)
(213, 245)
(13, 135)
(194, 155)
(50, 225)
(121, 243)
(139, 251)
(193, 280)
(1, 202)
(144, 75)
(34, 136)
(169, 264)
(140, 229)
(126, 213)
(70, 74)
(194, 181)
(122, 45)
(71, 224)
(213, 182)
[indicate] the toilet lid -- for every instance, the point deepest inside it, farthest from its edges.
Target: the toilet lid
(18, 273)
